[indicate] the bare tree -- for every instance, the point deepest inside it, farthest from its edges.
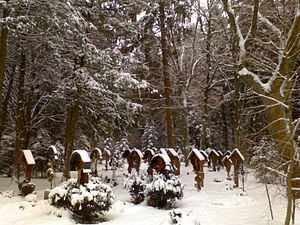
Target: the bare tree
(267, 62)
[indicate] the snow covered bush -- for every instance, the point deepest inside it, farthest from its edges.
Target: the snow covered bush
(136, 185)
(87, 202)
(178, 217)
(26, 187)
(265, 161)
(163, 191)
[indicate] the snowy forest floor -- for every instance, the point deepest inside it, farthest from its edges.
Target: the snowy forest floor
(216, 204)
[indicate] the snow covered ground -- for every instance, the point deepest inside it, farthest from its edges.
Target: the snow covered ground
(216, 204)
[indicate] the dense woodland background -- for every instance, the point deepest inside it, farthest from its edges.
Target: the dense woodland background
(81, 74)
(149, 74)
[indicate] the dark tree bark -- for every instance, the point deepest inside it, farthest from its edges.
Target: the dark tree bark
(70, 134)
(166, 77)
(20, 115)
(3, 112)
(3, 51)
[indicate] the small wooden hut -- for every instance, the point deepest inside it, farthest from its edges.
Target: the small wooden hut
(26, 159)
(81, 162)
(204, 154)
(173, 155)
(214, 158)
(160, 163)
(148, 154)
(197, 160)
(226, 161)
(221, 155)
(106, 155)
(95, 157)
(52, 153)
(227, 153)
(237, 159)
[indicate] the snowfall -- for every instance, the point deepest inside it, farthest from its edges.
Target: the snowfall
(217, 203)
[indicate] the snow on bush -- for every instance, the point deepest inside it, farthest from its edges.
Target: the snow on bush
(265, 161)
(136, 185)
(87, 202)
(177, 217)
(164, 191)
(26, 187)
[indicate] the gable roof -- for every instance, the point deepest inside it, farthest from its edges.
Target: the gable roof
(197, 153)
(28, 157)
(238, 153)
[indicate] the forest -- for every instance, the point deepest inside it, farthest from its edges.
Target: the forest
(151, 74)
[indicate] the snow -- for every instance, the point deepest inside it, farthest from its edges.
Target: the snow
(83, 154)
(28, 156)
(226, 158)
(99, 151)
(214, 151)
(139, 152)
(217, 203)
(54, 151)
(239, 154)
(197, 153)
(204, 154)
(165, 157)
(172, 151)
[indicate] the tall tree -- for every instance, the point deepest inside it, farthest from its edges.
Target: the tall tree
(272, 76)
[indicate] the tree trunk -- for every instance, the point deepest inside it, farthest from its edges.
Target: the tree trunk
(166, 77)
(237, 113)
(203, 137)
(20, 119)
(3, 112)
(70, 134)
(3, 51)
(225, 130)
(185, 126)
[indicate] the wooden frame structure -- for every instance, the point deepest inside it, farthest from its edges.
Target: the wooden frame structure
(26, 159)
(197, 160)
(80, 161)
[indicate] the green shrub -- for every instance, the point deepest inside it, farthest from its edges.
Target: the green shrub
(87, 202)
(163, 191)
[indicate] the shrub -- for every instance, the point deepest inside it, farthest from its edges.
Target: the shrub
(265, 156)
(26, 187)
(163, 191)
(87, 202)
(136, 186)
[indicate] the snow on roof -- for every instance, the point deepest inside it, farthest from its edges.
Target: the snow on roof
(215, 152)
(197, 153)
(138, 152)
(172, 151)
(53, 148)
(28, 157)
(98, 150)
(83, 154)
(227, 152)
(107, 152)
(204, 153)
(226, 157)
(208, 150)
(163, 151)
(151, 151)
(237, 152)
(165, 157)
